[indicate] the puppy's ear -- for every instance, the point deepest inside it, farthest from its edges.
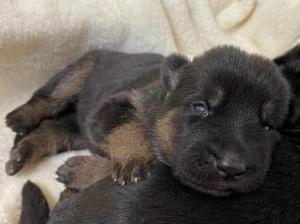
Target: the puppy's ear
(108, 115)
(289, 64)
(170, 70)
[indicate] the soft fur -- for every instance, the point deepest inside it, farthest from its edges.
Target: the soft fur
(163, 198)
(32, 50)
(130, 104)
(228, 150)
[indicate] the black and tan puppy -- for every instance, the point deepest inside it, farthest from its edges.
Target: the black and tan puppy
(213, 120)
(164, 199)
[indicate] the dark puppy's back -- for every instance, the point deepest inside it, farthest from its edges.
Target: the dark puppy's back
(116, 72)
(162, 199)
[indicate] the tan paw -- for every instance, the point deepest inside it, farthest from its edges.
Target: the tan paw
(79, 172)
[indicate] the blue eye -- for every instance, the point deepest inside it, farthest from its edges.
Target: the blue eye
(268, 128)
(201, 109)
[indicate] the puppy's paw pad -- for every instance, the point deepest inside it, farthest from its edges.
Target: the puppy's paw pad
(75, 173)
(64, 174)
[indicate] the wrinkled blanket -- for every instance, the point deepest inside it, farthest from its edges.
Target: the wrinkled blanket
(40, 37)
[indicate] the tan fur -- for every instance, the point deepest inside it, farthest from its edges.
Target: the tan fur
(217, 98)
(164, 130)
(84, 171)
(267, 109)
(39, 107)
(72, 84)
(128, 142)
(49, 139)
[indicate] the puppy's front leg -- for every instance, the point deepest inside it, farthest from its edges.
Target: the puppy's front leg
(128, 149)
(117, 128)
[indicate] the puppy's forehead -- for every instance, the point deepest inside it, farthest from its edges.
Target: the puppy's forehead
(229, 73)
(228, 69)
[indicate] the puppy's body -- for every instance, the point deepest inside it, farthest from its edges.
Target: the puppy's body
(99, 80)
(214, 120)
(164, 198)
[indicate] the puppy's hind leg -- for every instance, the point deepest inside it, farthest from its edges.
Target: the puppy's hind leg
(59, 92)
(50, 137)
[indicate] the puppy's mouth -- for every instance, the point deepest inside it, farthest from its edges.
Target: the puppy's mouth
(215, 188)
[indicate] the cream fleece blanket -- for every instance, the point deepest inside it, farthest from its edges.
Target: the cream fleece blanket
(39, 37)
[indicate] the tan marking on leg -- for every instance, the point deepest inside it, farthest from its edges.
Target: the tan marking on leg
(49, 139)
(72, 85)
(29, 115)
(128, 142)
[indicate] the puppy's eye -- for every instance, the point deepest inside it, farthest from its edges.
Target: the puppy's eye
(201, 109)
(267, 127)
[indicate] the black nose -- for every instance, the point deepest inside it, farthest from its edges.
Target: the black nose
(231, 168)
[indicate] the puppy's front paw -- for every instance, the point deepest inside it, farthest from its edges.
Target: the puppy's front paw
(79, 172)
(130, 171)
(22, 119)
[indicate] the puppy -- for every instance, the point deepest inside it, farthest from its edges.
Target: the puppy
(164, 199)
(214, 120)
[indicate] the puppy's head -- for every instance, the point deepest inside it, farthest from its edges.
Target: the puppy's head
(217, 117)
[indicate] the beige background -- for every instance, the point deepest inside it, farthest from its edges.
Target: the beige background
(39, 37)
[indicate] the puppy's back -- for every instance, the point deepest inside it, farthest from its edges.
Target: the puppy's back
(116, 72)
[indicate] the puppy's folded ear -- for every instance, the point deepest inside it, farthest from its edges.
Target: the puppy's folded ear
(109, 114)
(289, 64)
(170, 70)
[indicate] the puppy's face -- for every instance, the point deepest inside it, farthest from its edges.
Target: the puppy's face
(218, 117)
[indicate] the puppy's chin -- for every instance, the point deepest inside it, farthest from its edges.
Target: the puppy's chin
(219, 188)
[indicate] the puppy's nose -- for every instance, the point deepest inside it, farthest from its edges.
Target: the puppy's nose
(229, 167)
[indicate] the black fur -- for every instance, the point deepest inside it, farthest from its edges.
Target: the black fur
(289, 64)
(163, 199)
(35, 209)
(233, 133)
(114, 73)
(245, 96)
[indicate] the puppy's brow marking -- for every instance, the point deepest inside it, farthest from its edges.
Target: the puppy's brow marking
(267, 109)
(217, 97)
